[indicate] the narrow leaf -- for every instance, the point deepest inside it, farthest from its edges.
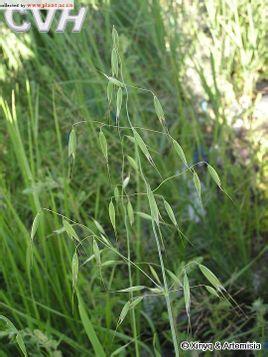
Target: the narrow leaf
(159, 110)
(142, 146)
(132, 289)
(158, 291)
(212, 291)
(144, 216)
(96, 252)
(13, 329)
(119, 350)
(174, 277)
(133, 163)
(156, 352)
(115, 38)
(103, 145)
(211, 277)
(125, 182)
(130, 213)
(186, 292)
(99, 226)
(10, 325)
(75, 269)
(112, 214)
(114, 62)
(97, 346)
(124, 312)
(116, 82)
(119, 99)
(197, 184)
(109, 262)
(35, 225)
(153, 205)
(130, 138)
(154, 273)
(105, 240)
(72, 144)
(214, 175)
(116, 194)
(21, 344)
(110, 88)
(170, 213)
(70, 231)
(135, 302)
(180, 152)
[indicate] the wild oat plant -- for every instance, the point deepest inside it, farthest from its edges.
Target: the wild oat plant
(131, 191)
(108, 259)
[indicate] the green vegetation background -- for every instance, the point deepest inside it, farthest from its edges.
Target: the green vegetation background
(205, 62)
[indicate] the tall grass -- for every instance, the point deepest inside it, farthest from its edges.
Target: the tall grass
(130, 221)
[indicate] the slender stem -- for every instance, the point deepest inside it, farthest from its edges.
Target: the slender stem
(138, 234)
(170, 315)
(134, 325)
(137, 350)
